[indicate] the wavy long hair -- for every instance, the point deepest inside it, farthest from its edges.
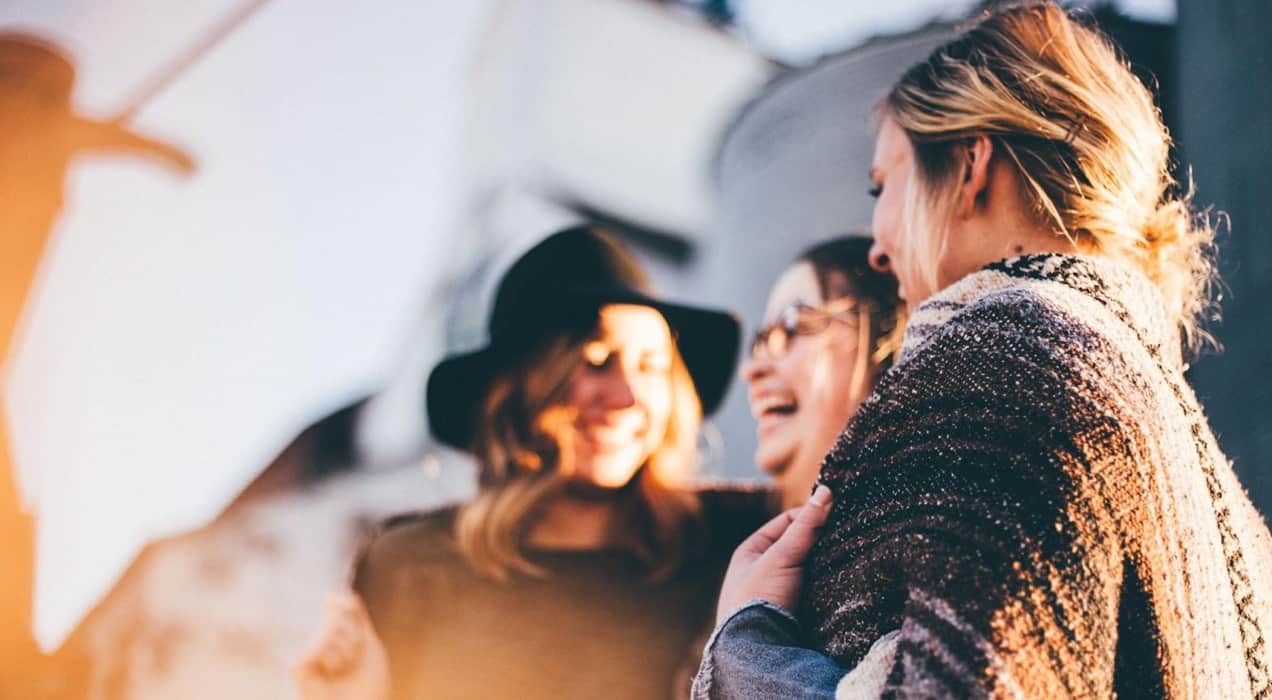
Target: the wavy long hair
(525, 462)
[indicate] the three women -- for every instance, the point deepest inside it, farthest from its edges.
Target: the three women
(588, 564)
(1030, 503)
(604, 610)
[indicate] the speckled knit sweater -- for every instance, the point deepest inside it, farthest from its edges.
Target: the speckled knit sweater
(1033, 497)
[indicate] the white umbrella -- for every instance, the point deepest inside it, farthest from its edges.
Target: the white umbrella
(184, 331)
(187, 330)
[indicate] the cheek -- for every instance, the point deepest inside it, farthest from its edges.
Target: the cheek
(582, 392)
(832, 396)
(656, 398)
(798, 368)
(877, 224)
(886, 221)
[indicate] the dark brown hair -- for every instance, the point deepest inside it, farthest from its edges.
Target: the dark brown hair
(842, 268)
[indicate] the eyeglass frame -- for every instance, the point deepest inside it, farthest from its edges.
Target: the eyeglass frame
(789, 324)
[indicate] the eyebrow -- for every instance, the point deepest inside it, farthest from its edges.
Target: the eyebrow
(873, 173)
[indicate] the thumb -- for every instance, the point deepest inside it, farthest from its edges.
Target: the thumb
(794, 544)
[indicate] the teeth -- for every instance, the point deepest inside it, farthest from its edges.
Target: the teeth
(610, 435)
(770, 402)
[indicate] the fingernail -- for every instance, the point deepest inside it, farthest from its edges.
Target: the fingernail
(821, 495)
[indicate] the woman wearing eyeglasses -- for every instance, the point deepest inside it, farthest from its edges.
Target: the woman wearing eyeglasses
(830, 328)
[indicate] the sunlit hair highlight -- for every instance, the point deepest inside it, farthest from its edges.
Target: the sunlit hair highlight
(526, 459)
(1082, 133)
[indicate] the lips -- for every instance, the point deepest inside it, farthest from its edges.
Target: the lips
(773, 405)
(604, 437)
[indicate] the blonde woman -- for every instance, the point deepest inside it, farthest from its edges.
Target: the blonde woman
(1031, 504)
(586, 566)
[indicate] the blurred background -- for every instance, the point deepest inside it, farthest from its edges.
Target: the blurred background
(214, 373)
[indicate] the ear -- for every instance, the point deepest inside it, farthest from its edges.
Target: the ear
(976, 155)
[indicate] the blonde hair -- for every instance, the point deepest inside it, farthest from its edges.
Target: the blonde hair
(1084, 136)
(525, 461)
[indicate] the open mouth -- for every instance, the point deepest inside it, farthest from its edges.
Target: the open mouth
(607, 439)
(773, 405)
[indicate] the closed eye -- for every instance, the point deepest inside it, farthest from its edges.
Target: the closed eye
(597, 355)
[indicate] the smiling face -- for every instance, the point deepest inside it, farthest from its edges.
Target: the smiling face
(621, 395)
(802, 399)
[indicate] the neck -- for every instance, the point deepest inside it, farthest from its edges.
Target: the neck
(575, 524)
(1035, 242)
(992, 240)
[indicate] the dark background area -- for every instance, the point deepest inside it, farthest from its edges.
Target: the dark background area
(1224, 65)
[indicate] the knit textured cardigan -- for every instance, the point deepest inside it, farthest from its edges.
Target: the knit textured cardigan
(1033, 498)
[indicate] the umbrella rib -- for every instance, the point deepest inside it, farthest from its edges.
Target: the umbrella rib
(170, 72)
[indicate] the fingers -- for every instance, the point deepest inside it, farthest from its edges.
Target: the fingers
(340, 639)
(763, 538)
(815, 511)
(348, 606)
(793, 544)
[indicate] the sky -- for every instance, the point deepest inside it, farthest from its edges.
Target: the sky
(798, 31)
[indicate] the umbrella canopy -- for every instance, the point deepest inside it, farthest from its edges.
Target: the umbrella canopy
(184, 330)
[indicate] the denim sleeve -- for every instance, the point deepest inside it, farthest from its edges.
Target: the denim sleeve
(755, 653)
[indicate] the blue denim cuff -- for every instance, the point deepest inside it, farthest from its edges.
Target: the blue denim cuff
(756, 608)
(754, 653)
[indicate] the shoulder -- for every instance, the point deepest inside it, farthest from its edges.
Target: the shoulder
(1015, 347)
(1000, 322)
(436, 523)
(406, 547)
(1012, 360)
(1009, 393)
(1067, 316)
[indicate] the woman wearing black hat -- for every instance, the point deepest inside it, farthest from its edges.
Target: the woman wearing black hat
(586, 566)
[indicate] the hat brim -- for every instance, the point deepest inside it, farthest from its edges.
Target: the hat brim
(86, 134)
(456, 388)
(707, 340)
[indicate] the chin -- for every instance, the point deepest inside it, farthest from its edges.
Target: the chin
(612, 482)
(770, 464)
(614, 475)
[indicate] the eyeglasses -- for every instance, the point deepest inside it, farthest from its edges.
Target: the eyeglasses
(801, 319)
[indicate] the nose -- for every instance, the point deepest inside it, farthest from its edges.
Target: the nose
(878, 259)
(617, 390)
(756, 366)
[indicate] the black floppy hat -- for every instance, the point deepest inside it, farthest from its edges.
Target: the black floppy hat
(559, 285)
